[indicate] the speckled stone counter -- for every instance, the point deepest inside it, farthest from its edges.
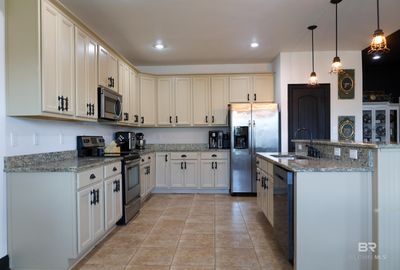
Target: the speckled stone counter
(66, 161)
(314, 164)
(152, 148)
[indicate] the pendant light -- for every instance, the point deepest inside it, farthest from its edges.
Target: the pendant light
(313, 80)
(378, 43)
(337, 66)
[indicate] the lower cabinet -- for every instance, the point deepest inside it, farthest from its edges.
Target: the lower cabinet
(113, 201)
(163, 170)
(147, 175)
(184, 173)
(265, 189)
(214, 174)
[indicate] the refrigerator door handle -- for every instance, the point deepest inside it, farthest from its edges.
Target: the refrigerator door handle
(250, 143)
(253, 137)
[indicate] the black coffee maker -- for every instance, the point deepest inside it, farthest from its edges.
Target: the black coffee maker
(125, 140)
(215, 139)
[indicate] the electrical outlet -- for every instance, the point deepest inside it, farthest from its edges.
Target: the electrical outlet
(337, 151)
(35, 139)
(299, 146)
(353, 154)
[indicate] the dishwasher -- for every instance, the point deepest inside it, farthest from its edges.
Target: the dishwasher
(284, 210)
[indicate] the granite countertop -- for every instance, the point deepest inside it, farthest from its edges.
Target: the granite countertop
(313, 164)
(349, 144)
(152, 148)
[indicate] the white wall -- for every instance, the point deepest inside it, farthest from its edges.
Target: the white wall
(207, 69)
(295, 68)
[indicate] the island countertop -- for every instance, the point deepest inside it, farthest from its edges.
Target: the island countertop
(313, 164)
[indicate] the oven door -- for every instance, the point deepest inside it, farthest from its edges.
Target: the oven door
(131, 180)
(110, 103)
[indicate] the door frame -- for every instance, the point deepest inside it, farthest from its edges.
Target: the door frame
(321, 87)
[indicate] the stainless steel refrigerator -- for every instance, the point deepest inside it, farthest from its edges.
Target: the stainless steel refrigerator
(254, 128)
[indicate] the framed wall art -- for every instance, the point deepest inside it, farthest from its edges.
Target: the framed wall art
(346, 84)
(346, 128)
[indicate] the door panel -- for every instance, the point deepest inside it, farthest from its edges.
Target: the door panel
(165, 101)
(118, 200)
(113, 70)
(109, 203)
(103, 67)
(201, 101)
(309, 107)
(221, 174)
(84, 219)
(147, 100)
(123, 78)
(81, 74)
(263, 88)
(219, 100)
(177, 175)
(134, 98)
(191, 174)
(240, 88)
(183, 98)
(91, 74)
(98, 213)
(207, 177)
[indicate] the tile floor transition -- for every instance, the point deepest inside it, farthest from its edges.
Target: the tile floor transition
(191, 231)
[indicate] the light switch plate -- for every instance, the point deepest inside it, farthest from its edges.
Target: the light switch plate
(337, 151)
(353, 154)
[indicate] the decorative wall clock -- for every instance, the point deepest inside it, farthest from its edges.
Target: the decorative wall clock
(346, 84)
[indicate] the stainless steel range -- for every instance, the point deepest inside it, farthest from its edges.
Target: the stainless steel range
(93, 146)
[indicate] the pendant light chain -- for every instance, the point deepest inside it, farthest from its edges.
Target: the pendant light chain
(336, 31)
(377, 10)
(312, 48)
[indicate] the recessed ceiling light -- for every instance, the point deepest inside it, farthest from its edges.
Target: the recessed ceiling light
(159, 46)
(254, 45)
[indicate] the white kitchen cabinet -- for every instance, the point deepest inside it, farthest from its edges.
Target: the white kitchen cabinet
(134, 97)
(207, 175)
(265, 189)
(86, 75)
(214, 173)
(113, 200)
(152, 172)
(259, 188)
(270, 198)
(163, 169)
(124, 90)
(219, 100)
(108, 69)
(165, 101)
(184, 169)
(251, 88)
(147, 86)
(183, 97)
(201, 100)
(177, 174)
(221, 174)
(90, 207)
(147, 175)
(190, 173)
(58, 65)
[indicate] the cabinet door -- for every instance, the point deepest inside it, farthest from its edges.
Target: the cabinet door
(82, 99)
(153, 171)
(50, 92)
(271, 200)
(259, 188)
(190, 172)
(103, 67)
(165, 92)
(66, 63)
(177, 174)
(134, 97)
(263, 88)
(147, 101)
(84, 206)
(240, 87)
(219, 100)
(221, 174)
(98, 212)
(183, 97)
(207, 173)
(143, 180)
(118, 200)
(92, 85)
(109, 202)
(113, 70)
(201, 101)
(265, 195)
(123, 80)
(162, 169)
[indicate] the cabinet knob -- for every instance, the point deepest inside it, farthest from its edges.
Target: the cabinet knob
(115, 169)
(92, 176)
(214, 155)
(183, 156)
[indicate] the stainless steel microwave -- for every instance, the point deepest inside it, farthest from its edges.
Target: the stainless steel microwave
(110, 104)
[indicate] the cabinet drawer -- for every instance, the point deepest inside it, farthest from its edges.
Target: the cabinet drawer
(214, 155)
(89, 177)
(112, 169)
(145, 159)
(184, 155)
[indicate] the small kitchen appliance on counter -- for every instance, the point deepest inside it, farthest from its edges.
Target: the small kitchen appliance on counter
(215, 139)
(93, 146)
(125, 140)
(140, 141)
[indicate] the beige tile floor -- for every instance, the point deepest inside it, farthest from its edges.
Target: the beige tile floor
(191, 232)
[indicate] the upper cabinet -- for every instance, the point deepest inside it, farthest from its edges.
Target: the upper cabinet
(165, 101)
(108, 69)
(201, 100)
(251, 88)
(183, 98)
(86, 75)
(124, 90)
(147, 95)
(134, 97)
(219, 100)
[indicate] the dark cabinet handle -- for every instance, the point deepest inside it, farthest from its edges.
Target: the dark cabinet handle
(216, 165)
(115, 169)
(214, 155)
(136, 118)
(92, 199)
(88, 109)
(66, 104)
(93, 109)
(119, 185)
(213, 119)
(97, 196)
(255, 97)
(183, 156)
(185, 165)
(142, 160)
(62, 103)
(170, 119)
(248, 97)
(181, 165)
(176, 119)
(206, 118)
(166, 158)
(212, 165)
(92, 176)
(142, 120)
(59, 103)
(109, 81)
(126, 116)
(148, 157)
(115, 186)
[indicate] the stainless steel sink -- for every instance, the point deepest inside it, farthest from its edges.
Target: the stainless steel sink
(291, 157)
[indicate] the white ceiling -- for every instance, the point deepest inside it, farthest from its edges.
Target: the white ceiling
(220, 31)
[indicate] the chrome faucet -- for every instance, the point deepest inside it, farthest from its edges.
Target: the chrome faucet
(311, 150)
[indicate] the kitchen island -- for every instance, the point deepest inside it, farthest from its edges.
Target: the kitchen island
(324, 206)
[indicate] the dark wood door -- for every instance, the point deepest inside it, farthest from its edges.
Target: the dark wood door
(309, 107)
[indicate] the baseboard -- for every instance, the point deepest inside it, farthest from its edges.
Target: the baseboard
(5, 263)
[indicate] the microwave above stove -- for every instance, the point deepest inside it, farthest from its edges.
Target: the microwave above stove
(110, 104)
